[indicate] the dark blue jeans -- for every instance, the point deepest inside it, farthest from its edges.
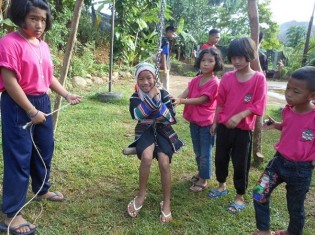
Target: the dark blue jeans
(203, 142)
(297, 176)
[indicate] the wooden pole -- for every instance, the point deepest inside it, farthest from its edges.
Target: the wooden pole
(68, 56)
(254, 28)
(111, 56)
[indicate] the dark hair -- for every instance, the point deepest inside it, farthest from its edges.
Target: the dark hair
(213, 31)
(260, 37)
(307, 74)
(170, 28)
(20, 8)
(242, 47)
(217, 56)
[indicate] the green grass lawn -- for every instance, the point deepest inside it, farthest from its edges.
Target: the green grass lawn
(99, 181)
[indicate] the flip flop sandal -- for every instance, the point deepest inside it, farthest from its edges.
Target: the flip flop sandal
(53, 198)
(197, 188)
(136, 209)
(215, 194)
(13, 230)
(233, 207)
(194, 178)
(163, 215)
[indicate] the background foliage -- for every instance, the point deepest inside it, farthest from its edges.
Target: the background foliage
(136, 34)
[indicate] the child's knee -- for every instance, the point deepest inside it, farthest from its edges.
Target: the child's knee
(146, 160)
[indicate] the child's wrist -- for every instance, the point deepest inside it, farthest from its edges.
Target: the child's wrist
(66, 96)
(33, 113)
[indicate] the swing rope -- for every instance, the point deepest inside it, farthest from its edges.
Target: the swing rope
(160, 27)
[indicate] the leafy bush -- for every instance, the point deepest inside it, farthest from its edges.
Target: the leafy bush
(83, 61)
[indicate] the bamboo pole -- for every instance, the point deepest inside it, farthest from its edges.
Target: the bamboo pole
(68, 56)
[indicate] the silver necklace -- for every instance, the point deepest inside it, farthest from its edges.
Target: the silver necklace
(39, 56)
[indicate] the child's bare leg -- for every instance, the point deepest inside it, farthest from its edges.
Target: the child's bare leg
(144, 172)
(165, 172)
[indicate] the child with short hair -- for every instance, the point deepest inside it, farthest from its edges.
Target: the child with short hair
(241, 97)
(26, 76)
(155, 137)
(199, 99)
(294, 161)
(213, 40)
(165, 63)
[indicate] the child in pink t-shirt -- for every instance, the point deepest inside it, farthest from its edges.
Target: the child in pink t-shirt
(26, 74)
(242, 97)
(294, 160)
(200, 103)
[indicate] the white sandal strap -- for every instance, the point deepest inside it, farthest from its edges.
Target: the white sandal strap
(166, 216)
(134, 205)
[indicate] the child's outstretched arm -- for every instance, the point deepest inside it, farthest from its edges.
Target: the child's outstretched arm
(177, 101)
(182, 99)
(270, 123)
(57, 87)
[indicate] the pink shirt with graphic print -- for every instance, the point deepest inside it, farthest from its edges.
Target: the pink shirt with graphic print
(202, 114)
(18, 55)
(235, 97)
(297, 135)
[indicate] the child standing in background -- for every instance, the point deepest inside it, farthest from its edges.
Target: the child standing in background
(242, 96)
(155, 137)
(165, 65)
(294, 160)
(199, 99)
(26, 75)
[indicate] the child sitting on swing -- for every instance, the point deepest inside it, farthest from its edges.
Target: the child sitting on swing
(154, 137)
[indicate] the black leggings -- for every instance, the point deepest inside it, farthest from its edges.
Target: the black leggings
(235, 144)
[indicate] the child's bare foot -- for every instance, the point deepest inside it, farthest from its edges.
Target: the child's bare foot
(19, 225)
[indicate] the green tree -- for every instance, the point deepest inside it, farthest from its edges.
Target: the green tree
(135, 30)
(295, 36)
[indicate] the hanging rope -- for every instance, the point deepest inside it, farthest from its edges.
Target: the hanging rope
(160, 28)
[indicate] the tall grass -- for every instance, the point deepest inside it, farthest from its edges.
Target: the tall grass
(98, 181)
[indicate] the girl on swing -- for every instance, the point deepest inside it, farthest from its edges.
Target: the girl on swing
(154, 137)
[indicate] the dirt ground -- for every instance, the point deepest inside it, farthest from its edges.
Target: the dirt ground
(179, 83)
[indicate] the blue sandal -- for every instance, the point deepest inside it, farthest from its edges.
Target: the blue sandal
(233, 207)
(215, 194)
(13, 230)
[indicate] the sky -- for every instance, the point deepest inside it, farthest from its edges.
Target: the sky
(288, 10)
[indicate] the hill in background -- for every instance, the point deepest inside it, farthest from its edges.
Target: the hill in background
(285, 26)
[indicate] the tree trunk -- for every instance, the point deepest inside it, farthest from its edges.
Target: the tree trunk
(68, 55)
(254, 28)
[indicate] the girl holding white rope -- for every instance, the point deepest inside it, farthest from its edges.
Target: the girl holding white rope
(26, 75)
